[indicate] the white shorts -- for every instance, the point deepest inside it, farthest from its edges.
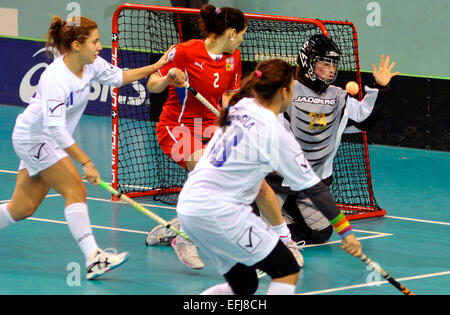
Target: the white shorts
(233, 236)
(38, 154)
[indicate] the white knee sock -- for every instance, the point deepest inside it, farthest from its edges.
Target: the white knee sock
(77, 218)
(280, 288)
(5, 217)
(220, 289)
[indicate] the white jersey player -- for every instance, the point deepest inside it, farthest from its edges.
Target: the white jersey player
(55, 110)
(317, 117)
(214, 205)
(42, 136)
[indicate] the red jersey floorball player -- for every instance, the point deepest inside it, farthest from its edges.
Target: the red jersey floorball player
(215, 72)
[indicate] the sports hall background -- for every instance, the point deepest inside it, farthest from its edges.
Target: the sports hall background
(414, 33)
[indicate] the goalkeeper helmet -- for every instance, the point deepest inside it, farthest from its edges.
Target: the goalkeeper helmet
(319, 61)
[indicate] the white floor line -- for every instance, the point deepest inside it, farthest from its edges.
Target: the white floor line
(417, 220)
(122, 202)
(358, 238)
(370, 232)
(93, 226)
(429, 275)
(9, 172)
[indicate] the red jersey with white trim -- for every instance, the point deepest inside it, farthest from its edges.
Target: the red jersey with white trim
(211, 78)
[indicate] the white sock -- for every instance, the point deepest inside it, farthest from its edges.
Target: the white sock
(5, 217)
(283, 231)
(77, 218)
(219, 289)
(280, 288)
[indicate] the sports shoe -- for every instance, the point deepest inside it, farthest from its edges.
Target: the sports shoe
(295, 250)
(187, 253)
(102, 261)
(161, 235)
(286, 217)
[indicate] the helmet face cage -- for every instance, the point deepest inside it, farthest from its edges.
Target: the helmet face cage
(328, 62)
(321, 48)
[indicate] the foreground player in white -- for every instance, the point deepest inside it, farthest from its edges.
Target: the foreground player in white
(318, 117)
(217, 78)
(42, 136)
(214, 205)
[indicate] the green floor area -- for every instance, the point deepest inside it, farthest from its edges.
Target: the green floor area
(39, 255)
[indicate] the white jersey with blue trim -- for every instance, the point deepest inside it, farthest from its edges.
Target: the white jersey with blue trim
(61, 97)
(318, 120)
(239, 157)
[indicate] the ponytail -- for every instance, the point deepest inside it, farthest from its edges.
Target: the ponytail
(265, 81)
(61, 34)
(56, 34)
(246, 90)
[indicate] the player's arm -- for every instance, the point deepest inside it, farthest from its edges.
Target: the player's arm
(90, 173)
(66, 142)
(160, 80)
(53, 99)
(268, 204)
(376, 94)
(136, 74)
(132, 75)
(321, 197)
(158, 83)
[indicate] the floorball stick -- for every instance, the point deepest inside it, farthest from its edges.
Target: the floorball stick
(142, 209)
(197, 95)
(375, 266)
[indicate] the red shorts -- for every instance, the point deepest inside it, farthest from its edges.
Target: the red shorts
(179, 142)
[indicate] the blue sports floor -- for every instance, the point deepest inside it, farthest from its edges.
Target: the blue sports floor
(39, 255)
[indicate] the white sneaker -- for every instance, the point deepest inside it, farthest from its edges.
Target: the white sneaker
(187, 253)
(162, 236)
(295, 250)
(102, 261)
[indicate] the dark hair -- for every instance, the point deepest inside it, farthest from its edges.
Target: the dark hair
(61, 34)
(216, 21)
(269, 76)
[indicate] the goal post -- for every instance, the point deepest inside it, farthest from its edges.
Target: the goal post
(142, 33)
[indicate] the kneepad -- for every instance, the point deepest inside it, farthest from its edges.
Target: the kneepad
(279, 263)
(313, 217)
(242, 279)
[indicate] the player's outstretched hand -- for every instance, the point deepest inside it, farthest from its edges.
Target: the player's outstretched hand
(384, 74)
(166, 58)
(351, 245)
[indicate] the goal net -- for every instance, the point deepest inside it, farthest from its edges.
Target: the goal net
(142, 33)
